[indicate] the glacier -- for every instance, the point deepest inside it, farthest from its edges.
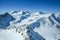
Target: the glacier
(23, 25)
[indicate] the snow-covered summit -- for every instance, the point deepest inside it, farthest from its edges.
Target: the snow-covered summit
(30, 26)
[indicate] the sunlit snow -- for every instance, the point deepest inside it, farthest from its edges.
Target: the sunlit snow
(23, 25)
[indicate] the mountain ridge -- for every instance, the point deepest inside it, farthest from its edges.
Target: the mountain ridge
(32, 26)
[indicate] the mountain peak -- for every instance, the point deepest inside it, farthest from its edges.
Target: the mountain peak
(30, 26)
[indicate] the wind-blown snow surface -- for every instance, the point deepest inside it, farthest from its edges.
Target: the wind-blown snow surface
(23, 25)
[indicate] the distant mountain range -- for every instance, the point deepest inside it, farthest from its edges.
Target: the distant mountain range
(23, 25)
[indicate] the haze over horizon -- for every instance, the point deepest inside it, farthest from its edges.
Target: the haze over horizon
(46, 6)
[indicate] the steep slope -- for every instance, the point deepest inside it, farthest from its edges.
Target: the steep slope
(5, 19)
(30, 26)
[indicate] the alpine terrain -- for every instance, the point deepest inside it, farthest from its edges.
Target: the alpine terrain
(23, 25)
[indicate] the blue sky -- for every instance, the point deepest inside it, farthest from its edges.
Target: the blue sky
(30, 5)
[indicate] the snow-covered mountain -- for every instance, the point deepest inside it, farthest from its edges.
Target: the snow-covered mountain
(23, 25)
